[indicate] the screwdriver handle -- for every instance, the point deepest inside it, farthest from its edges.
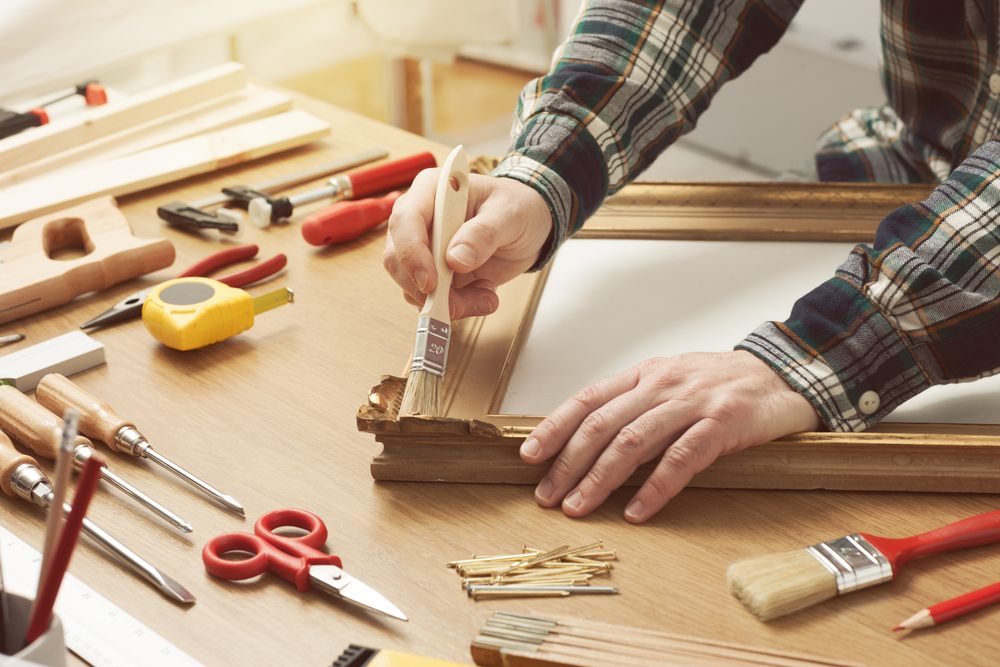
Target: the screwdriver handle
(389, 175)
(347, 220)
(10, 459)
(33, 426)
(97, 420)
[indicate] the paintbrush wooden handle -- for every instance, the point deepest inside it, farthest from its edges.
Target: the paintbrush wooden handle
(450, 203)
(10, 460)
(972, 532)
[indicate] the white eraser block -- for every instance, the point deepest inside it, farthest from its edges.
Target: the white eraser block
(66, 354)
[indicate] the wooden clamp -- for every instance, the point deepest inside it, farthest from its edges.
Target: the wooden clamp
(32, 280)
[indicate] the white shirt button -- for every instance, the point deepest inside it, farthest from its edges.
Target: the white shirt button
(995, 84)
(868, 403)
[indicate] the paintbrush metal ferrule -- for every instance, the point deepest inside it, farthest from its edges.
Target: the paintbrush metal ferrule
(430, 351)
(853, 561)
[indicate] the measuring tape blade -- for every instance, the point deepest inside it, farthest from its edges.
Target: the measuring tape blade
(95, 629)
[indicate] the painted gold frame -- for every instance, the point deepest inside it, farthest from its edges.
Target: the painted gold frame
(472, 442)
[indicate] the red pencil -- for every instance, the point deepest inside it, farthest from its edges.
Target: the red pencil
(48, 589)
(945, 611)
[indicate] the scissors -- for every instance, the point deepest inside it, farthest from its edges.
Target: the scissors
(131, 306)
(297, 559)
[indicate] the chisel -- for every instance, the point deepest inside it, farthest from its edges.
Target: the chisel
(20, 477)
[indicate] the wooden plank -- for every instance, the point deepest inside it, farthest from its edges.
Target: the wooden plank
(98, 122)
(215, 114)
(163, 164)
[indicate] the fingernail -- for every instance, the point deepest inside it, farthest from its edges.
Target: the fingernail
(420, 277)
(530, 448)
(484, 307)
(634, 510)
(451, 309)
(544, 490)
(464, 255)
(574, 500)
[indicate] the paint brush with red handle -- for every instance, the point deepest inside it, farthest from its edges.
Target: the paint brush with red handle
(778, 584)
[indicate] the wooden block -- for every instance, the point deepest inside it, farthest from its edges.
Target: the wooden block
(163, 164)
(98, 122)
(67, 354)
(32, 281)
(221, 112)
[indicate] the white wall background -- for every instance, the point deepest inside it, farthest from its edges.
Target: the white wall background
(768, 119)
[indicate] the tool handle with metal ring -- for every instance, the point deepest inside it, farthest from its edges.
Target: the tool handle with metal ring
(97, 420)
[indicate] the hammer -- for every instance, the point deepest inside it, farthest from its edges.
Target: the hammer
(193, 215)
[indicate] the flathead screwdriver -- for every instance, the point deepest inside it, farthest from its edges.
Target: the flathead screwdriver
(20, 477)
(39, 430)
(99, 421)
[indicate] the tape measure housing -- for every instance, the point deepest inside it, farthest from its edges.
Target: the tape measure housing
(188, 313)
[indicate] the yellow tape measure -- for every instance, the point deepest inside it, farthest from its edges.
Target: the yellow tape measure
(188, 313)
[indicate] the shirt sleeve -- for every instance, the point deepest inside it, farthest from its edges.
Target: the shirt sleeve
(632, 78)
(919, 307)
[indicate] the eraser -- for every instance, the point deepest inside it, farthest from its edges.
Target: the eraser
(67, 354)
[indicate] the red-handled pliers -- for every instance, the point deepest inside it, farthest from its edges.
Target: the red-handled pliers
(131, 306)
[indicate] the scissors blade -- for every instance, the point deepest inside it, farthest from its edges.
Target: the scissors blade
(126, 309)
(333, 580)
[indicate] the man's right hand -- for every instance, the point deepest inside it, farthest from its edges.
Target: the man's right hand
(507, 225)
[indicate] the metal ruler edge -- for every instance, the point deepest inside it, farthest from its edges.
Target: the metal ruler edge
(95, 629)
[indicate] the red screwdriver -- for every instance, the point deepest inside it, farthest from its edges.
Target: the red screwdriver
(356, 185)
(347, 220)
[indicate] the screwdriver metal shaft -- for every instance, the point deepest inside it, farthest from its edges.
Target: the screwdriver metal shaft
(38, 429)
(99, 421)
(31, 484)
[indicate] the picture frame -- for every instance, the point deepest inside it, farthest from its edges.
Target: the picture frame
(474, 442)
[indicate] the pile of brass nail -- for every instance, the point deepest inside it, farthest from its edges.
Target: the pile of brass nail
(533, 573)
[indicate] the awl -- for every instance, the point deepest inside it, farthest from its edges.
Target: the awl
(98, 421)
(39, 430)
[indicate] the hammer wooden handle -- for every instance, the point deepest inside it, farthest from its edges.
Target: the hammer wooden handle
(32, 425)
(97, 419)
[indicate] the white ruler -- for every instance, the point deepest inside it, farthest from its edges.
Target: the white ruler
(95, 629)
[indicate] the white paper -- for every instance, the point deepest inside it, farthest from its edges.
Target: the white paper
(609, 304)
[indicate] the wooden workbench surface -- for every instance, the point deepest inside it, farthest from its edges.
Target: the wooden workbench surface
(269, 418)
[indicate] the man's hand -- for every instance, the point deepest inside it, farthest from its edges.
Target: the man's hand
(685, 411)
(507, 225)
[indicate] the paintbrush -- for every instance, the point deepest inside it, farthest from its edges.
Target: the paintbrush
(430, 351)
(778, 584)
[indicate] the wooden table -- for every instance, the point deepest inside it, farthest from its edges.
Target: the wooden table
(269, 418)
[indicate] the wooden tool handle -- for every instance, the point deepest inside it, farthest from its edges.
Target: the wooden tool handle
(450, 204)
(10, 459)
(32, 425)
(97, 419)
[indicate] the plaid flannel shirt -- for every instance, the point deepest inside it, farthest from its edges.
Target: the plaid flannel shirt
(919, 306)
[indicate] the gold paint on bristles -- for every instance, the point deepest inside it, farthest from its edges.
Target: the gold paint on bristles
(777, 584)
(422, 395)
(558, 567)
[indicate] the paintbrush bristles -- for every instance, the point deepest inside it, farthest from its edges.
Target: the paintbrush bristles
(777, 584)
(422, 395)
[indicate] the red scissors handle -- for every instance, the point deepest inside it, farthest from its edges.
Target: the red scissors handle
(290, 557)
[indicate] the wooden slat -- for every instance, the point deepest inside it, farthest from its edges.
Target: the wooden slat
(99, 122)
(164, 164)
(217, 113)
